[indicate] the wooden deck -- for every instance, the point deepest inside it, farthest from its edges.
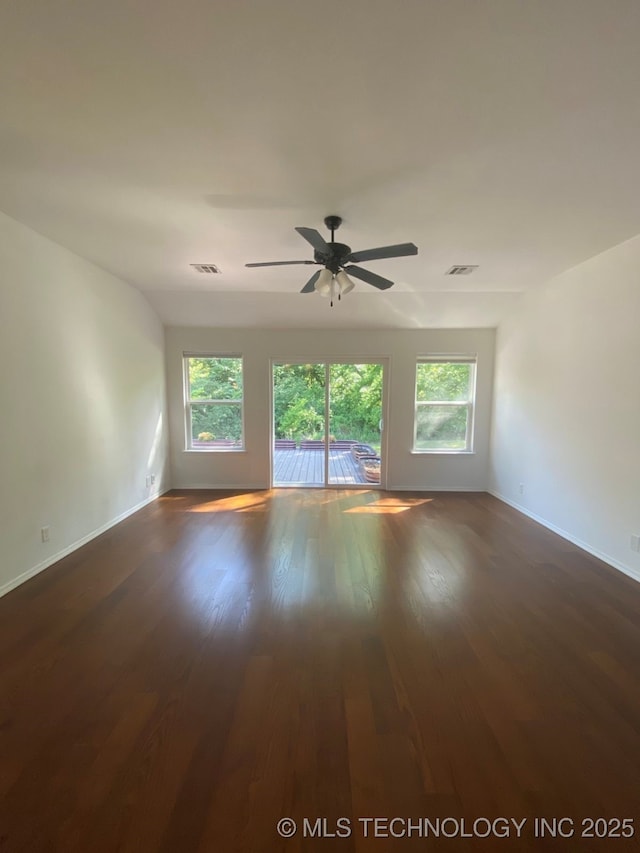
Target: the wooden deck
(306, 468)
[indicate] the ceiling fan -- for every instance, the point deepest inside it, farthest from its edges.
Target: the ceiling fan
(337, 260)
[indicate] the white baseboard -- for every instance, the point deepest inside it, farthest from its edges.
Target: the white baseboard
(221, 487)
(25, 576)
(606, 558)
(231, 486)
(467, 489)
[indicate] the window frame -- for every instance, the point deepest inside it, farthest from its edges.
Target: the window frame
(189, 403)
(470, 404)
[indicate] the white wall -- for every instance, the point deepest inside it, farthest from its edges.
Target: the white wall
(82, 417)
(405, 470)
(567, 405)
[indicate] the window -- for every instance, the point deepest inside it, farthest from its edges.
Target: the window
(445, 389)
(213, 402)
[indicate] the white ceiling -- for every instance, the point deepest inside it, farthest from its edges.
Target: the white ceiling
(149, 135)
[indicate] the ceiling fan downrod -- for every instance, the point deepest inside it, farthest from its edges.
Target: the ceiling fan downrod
(333, 223)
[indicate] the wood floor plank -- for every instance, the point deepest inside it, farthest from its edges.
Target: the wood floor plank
(222, 660)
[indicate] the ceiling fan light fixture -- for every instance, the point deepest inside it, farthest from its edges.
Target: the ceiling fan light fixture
(324, 282)
(338, 260)
(345, 285)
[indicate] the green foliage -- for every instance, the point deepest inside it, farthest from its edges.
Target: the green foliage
(299, 401)
(301, 420)
(441, 427)
(442, 382)
(215, 378)
(355, 401)
(223, 420)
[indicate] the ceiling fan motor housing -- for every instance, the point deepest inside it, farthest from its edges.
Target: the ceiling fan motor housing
(335, 258)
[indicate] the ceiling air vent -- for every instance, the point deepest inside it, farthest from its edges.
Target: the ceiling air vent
(209, 269)
(462, 269)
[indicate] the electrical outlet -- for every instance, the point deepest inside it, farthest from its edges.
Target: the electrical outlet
(44, 533)
(522, 488)
(153, 479)
(635, 542)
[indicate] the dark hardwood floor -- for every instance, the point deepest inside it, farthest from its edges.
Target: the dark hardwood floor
(220, 661)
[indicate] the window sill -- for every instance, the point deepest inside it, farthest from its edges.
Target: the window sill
(214, 450)
(443, 452)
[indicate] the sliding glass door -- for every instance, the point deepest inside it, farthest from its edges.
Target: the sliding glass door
(327, 423)
(299, 424)
(355, 423)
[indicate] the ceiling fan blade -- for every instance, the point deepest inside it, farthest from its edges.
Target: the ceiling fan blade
(369, 277)
(279, 263)
(397, 251)
(315, 238)
(310, 285)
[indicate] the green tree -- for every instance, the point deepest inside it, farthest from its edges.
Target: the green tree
(215, 378)
(355, 397)
(443, 382)
(299, 401)
(218, 379)
(442, 426)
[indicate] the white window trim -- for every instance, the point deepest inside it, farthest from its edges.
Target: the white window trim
(471, 359)
(188, 403)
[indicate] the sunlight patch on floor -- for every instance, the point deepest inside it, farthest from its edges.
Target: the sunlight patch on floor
(235, 503)
(389, 506)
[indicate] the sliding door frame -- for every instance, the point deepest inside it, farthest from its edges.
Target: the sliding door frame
(384, 362)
